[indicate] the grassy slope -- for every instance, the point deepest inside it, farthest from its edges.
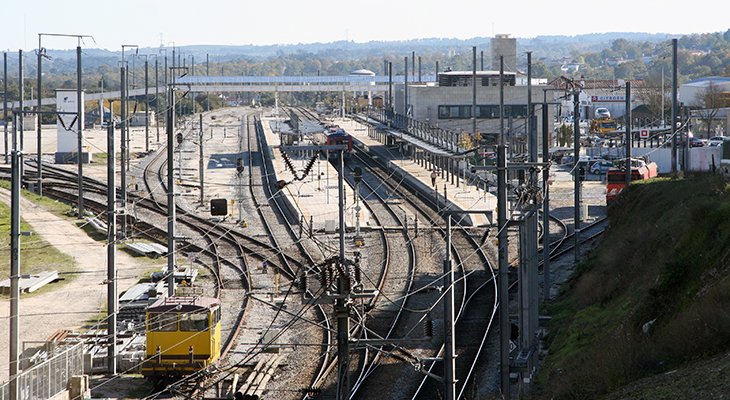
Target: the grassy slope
(665, 259)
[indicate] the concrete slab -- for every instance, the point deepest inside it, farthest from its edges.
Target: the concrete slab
(30, 283)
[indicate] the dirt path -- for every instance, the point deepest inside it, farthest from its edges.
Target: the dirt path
(70, 305)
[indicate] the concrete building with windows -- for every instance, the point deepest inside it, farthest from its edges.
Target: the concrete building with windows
(448, 103)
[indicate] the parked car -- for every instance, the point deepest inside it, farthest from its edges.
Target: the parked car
(601, 167)
(720, 138)
(695, 142)
(602, 112)
(715, 143)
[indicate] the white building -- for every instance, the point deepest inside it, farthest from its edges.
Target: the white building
(448, 103)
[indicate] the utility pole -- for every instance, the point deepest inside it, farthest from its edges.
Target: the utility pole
(390, 86)
(5, 104)
(474, 91)
(124, 139)
(80, 127)
(545, 198)
(20, 107)
(111, 251)
(413, 64)
(200, 164)
(342, 304)
(358, 239)
(39, 142)
(673, 130)
(207, 73)
(170, 195)
(123, 148)
(157, 100)
(628, 133)
(527, 281)
(576, 172)
(15, 264)
(39, 166)
(405, 87)
(192, 95)
(419, 69)
(504, 324)
(166, 96)
(482, 58)
(146, 109)
(449, 343)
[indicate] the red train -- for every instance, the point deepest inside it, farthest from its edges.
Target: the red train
(616, 177)
(337, 135)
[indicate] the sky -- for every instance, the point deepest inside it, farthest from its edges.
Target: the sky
(152, 23)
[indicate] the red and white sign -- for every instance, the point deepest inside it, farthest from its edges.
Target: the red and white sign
(644, 133)
(609, 98)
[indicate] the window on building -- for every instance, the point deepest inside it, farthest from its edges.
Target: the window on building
(454, 112)
(482, 111)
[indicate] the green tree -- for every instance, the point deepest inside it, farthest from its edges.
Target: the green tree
(565, 135)
(710, 101)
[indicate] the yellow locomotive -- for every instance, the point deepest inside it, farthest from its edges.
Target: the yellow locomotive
(183, 335)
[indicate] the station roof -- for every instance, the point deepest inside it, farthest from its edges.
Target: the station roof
(479, 73)
(296, 80)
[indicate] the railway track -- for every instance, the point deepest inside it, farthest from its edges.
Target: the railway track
(468, 266)
(228, 249)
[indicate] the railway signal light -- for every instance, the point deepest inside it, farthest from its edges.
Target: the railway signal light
(218, 207)
(179, 138)
(358, 174)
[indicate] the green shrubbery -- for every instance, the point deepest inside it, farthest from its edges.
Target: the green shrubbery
(654, 295)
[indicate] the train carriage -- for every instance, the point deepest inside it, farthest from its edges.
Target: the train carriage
(183, 335)
(338, 136)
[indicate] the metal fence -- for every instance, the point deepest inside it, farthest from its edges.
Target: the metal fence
(49, 378)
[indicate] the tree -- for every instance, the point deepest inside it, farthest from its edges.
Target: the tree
(565, 135)
(710, 101)
(653, 96)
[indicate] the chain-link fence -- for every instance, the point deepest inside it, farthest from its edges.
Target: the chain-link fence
(49, 378)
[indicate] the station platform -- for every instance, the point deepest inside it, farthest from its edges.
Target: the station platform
(315, 197)
(428, 168)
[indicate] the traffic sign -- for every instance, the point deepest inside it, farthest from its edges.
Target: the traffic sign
(644, 133)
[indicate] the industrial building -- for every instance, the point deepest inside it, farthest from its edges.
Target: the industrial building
(448, 102)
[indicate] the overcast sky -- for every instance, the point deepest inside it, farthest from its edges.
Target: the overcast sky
(229, 22)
